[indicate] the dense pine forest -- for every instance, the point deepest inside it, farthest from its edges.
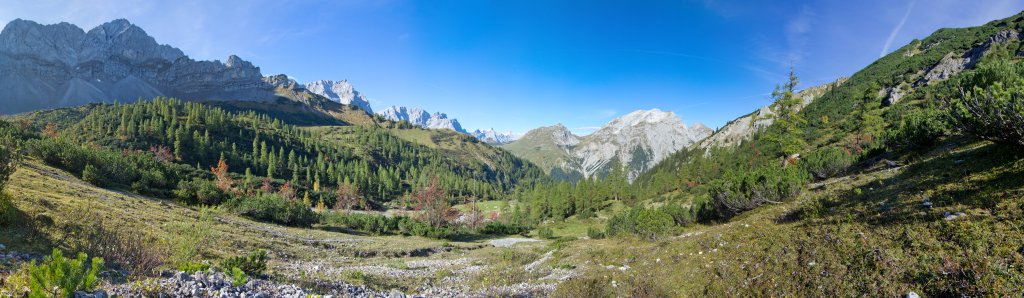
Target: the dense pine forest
(377, 166)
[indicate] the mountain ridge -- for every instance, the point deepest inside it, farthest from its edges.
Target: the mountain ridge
(635, 141)
(491, 136)
(421, 118)
(59, 65)
(742, 128)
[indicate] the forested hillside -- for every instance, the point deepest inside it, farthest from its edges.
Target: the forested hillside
(195, 137)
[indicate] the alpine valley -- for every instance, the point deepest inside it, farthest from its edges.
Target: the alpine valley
(129, 169)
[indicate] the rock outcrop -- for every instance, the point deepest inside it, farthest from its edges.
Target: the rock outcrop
(954, 63)
(339, 91)
(742, 128)
(49, 66)
(891, 95)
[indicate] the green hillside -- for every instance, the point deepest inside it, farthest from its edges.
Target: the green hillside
(542, 149)
(255, 146)
(859, 192)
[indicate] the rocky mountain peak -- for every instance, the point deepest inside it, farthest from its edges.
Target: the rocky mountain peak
(119, 27)
(339, 91)
(562, 136)
(640, 119)
(635, 141)
(50, 66)
(125, 40)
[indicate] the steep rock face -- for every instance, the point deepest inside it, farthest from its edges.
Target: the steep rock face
(422, 118)
(494, 137)
(636, 142)
(742, 128)
(48, 66)
(953, 63)
(339, 91)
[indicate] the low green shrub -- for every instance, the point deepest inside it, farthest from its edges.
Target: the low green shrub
(252, 265)
(681, 215)
(741, 190)
(199, 192)
(238, 277)
(827, 162)
(8, 212)
(594, 233)
(93, 176)
(989, 102)
(384, 225)
(649, 224)
(500, 228)
(190, 239)
(58, 276)
(546, 233)
(276, 209)
(917, 129)
(9, 157)
(139, 171)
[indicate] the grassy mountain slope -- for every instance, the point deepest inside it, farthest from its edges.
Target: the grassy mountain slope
(541, 147)
(851, 115)
(55, 209)
(910, 206)
(864, 233)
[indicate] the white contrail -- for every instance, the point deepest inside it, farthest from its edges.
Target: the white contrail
(892, 35)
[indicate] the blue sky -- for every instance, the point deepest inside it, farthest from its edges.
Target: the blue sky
(517, 65)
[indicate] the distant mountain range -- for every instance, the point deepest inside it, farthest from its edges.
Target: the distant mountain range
(491, 136)
(635, 142)
(421, 118)
(61, 65)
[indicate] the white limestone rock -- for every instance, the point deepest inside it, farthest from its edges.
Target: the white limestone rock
(339, 91)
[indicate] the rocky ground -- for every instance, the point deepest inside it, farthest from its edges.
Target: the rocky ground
(217, 284)
(440, 276)
(300, 261)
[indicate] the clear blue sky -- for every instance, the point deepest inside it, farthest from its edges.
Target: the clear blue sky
(516, 65)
